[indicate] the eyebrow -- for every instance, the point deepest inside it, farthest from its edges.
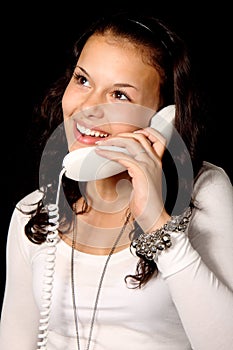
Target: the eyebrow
(116, 84)
(83, 70)
(125, 85)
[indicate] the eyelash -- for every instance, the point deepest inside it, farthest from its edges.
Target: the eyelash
(78, 77)
(122, 93)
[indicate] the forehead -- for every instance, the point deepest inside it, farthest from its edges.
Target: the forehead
(108, 57)
(117, 43)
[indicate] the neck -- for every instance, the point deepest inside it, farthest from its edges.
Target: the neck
(109, 195)
(96, 232)
(108, 242)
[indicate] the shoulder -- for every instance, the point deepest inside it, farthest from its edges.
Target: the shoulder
(212, 185)
(210, 229)
(212, 171)
(17, 240)
(30, 201)
(24, 208)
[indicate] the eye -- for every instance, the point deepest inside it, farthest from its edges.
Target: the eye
(120, 95)
(81, 79)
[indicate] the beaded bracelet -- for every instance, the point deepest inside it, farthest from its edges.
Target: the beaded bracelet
(150, 244)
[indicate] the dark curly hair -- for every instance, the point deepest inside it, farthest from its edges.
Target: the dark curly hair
(163, 50)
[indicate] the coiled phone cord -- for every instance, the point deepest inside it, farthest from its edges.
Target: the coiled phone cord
(51, 241)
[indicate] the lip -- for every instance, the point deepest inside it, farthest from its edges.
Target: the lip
(87, 139)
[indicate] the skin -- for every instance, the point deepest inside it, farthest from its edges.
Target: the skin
(110, 71)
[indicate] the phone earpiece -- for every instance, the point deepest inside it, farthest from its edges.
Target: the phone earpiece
(163, 121)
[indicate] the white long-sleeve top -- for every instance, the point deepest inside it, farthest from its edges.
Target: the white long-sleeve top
(189, 305)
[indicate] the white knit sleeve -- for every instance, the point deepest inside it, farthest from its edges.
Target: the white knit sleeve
(198, 268)
(19, 318)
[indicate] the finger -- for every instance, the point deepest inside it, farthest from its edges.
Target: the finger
(152, 134)
(116, 154)
(157, 141)
(131, 144)
(151, 140)
(129, 161)
(140, 138)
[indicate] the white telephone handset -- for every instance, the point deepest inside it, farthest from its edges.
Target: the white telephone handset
(86, 165)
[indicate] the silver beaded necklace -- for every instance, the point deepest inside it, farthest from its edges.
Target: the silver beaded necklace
(100, 282)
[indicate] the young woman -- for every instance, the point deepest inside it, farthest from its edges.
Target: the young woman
(140, 257)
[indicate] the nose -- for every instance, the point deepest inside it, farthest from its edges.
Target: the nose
(92, 107)
(95, 111)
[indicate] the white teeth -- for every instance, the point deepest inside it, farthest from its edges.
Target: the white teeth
(89, 132)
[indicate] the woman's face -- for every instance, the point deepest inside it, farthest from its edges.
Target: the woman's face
(111, 91)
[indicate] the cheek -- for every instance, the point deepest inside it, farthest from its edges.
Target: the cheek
(122, 128)
(70, 103)
(65, 103)
(129, 116)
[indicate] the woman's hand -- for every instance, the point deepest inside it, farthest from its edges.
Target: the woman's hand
(144, 165)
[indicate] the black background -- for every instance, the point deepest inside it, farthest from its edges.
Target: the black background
(35, 41)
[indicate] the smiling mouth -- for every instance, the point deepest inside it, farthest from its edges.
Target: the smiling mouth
(89, 132)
